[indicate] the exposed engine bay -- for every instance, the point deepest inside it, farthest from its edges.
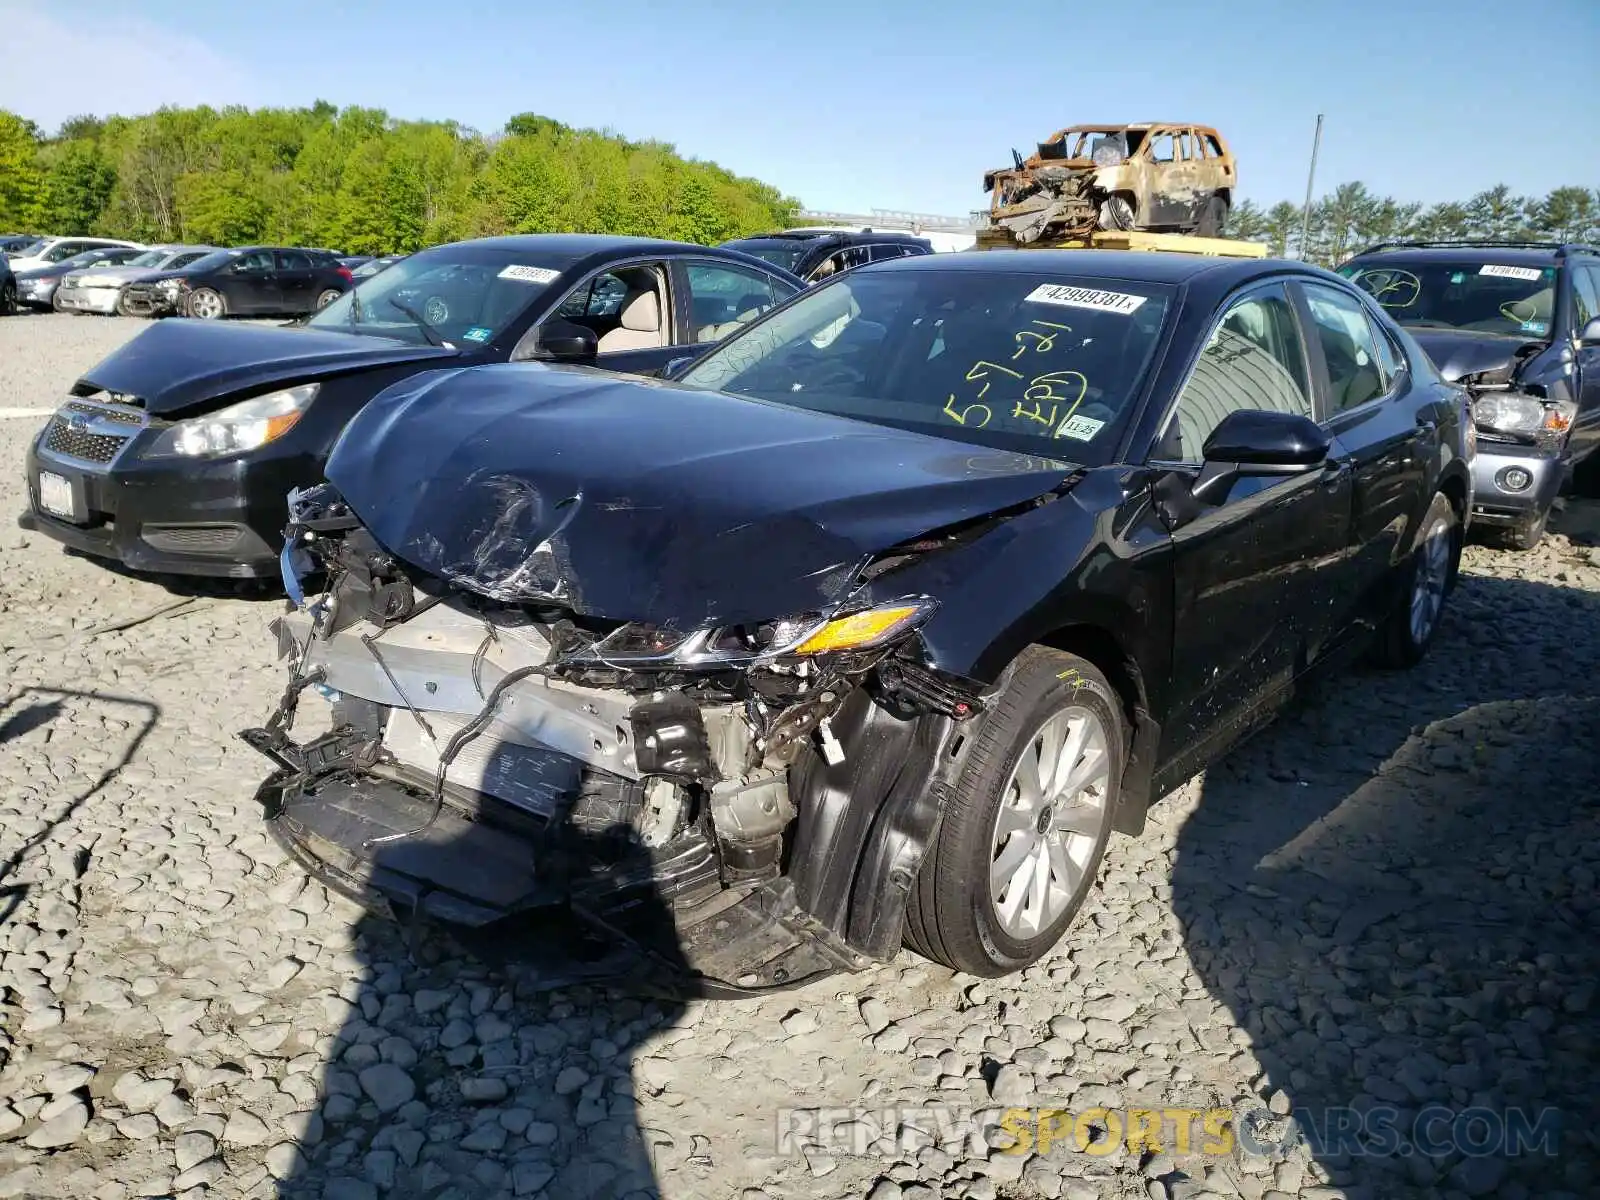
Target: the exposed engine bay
(488, 758)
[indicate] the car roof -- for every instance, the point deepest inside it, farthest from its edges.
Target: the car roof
(1511, 255)
(572, 245)
(1150, 267)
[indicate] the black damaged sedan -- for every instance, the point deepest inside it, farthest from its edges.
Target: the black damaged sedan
(872, 624)
(175, 453)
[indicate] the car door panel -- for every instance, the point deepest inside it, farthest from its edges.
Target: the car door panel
(1255, 577)
(1382, 432)
(1585, 437)
(295, 279)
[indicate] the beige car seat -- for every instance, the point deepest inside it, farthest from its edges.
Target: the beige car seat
(642, 327)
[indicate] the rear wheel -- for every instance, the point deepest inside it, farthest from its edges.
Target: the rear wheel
(1430, 576)
(1027, 822)
(1213, 218)
(207, 304)
(328, 297)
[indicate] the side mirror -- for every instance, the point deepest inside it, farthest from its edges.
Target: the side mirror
(1251, 442)
(562, 341)
(1591, 333)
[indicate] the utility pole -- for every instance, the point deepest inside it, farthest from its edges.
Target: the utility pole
(1305, 216)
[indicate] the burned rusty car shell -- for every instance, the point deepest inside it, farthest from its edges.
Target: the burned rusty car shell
(1089, 177)
(489, 531)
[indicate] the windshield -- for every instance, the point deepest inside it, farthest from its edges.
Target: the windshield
(214, 261)
(1017, 361)
(150, 258)
(87, 258)
(1474, 297)
(780, 252)
(463, 293)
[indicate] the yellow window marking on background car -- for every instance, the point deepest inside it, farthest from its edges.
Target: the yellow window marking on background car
(1392, 287)
(1043, 343)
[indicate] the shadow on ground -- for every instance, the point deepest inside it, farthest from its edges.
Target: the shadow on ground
(1393, 891)
(35, 708)
(490, 1063)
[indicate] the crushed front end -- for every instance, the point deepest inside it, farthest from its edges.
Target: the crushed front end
(486, 758)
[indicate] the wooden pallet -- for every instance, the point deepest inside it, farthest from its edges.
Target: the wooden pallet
(1173, 243)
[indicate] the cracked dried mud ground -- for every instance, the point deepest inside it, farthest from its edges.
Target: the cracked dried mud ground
(1386, 902)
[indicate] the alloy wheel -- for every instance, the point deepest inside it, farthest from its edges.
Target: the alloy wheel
(206, 305)
(1432, 578)
(1052, 811)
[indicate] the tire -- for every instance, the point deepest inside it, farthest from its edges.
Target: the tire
(122, 305)
(55, 302)
(327, 298)
(1414, 623)
(956, 916)
(207, 304)
(1526, 533)
(1117, 213)
(8, 298)
(1213, 218)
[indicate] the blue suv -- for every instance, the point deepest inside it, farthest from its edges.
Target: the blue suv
(1518, 325)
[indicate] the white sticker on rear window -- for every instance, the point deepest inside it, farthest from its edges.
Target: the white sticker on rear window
(1081, 429)
(1529, 273)
(530, 274)
(1079, 297)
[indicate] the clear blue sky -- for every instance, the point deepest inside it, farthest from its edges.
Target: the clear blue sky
(888, 104)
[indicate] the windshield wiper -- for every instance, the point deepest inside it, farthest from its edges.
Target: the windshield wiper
(355, 308)
(428, 331)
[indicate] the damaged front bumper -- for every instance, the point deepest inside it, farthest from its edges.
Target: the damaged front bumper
(479, 765)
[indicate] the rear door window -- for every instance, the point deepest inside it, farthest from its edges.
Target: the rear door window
(723, 297)
(1340, 325)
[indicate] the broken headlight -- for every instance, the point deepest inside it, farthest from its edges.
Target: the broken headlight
(247, 425)
(732, 645)
(1520, 415)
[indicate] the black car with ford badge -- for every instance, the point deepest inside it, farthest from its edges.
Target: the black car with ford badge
(174, 454)
(1518, 325)
(869, 625)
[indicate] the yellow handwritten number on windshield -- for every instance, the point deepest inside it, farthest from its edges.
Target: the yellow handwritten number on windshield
(1043, 343)
(979, 371)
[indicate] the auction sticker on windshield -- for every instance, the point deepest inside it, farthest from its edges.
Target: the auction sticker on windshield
(530, 274)
(1081, 297)
(1080, 429)
(1529, 273)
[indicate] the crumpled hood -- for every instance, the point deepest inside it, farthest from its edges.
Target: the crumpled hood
(178, 364)
(635, 499)
(1457, 354)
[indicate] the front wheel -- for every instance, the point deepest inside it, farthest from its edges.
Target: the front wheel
(207, 304)
(327, 298)
(1527, 532)
(8, 298)
(1116, 213)
(1027, 821)
(1429, 576)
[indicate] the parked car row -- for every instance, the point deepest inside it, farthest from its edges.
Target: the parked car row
(110, 277)
(832, 615)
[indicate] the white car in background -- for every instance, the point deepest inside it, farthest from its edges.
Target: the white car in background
(48, 251)
(99, 289)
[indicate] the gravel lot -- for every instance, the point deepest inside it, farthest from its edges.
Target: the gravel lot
(1385, 902)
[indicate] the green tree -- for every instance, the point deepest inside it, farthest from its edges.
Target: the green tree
(21, 181)
(78, 182)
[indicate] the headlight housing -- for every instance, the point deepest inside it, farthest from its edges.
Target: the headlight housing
(171, 286)
(1519, 415)
(248, 425)
(638, 645)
